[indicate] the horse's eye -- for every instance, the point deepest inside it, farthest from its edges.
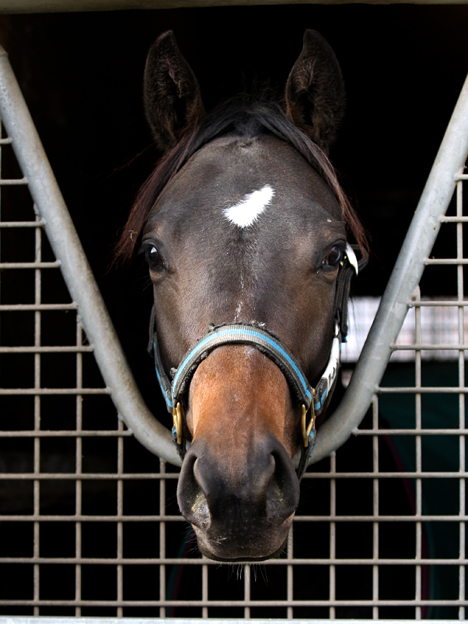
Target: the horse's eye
(334, 256)
(153, 257)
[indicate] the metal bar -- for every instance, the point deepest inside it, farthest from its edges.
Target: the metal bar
(70, 434)
(52, 391)
(332, 571)
(461, 400)
(1, 162)
(234, 603)
(96, 518)
(79, 466)
(422, 390)
(37, 419)
(32, 307)
(67, 476)
(435, 303)
(404, 279)
(375, 508)
(113, 432)
(136, 620)
(459, 219)
(391, 432)
(290, 576)
(418, 420)
(20, 182)
(76, 270)
(196, 562)
(120, 507)
(247, 595)
(30, 265)
(155, 518)
(429, 347)
(85, 476)
(21, 224)
(39, 349)
(162, 539)
(205, 590)
(446, 261)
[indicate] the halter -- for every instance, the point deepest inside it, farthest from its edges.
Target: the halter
(266, 342)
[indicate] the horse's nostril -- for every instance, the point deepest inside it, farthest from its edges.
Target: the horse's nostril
(283, 488)
(191, 498)
(200, 508)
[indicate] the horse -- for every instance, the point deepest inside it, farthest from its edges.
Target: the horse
(244, 227)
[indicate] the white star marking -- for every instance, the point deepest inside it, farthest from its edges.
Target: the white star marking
(247, 211)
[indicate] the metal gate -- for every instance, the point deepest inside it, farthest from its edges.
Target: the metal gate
(89, 522)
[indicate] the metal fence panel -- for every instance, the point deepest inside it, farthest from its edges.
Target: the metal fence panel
(89, 522)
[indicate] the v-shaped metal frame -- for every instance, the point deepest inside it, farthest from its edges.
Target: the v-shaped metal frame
(98, 326)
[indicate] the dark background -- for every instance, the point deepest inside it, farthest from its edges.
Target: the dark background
(81, 76)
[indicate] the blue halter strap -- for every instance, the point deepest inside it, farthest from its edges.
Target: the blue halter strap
(250, 334)
(267, 344)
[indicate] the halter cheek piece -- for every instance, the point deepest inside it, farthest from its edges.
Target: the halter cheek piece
(258, 336)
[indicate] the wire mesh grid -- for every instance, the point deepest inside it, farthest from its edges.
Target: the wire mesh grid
(89, 521)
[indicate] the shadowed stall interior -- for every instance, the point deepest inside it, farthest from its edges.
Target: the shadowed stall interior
(81, 75)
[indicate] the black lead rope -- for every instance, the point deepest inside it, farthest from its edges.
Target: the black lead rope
(257, 335)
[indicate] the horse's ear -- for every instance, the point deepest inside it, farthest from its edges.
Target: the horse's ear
(315, 93)
(171, 93)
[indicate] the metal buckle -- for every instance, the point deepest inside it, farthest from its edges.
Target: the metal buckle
(306, 430)
(177, 420)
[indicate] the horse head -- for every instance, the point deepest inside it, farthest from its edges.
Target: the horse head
(244, 227)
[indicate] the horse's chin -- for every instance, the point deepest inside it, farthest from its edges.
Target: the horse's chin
(231, 550)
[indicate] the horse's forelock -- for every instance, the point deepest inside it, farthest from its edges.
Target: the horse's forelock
(237, 119)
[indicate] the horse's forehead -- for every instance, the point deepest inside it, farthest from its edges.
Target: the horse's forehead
(241, 177)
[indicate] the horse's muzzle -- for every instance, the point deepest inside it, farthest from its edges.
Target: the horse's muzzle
(239, 510)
